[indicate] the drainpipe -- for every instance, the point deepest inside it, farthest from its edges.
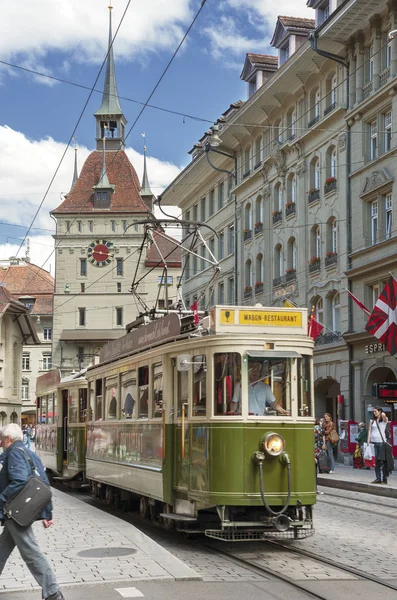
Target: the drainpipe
(313, 38)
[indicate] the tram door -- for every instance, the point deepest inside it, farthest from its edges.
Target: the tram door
(181, 418)
(65, 406)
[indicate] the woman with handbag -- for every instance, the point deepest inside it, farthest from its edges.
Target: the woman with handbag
(329, 431)
(376, 436)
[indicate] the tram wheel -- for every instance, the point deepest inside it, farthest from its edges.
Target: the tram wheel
(168, 524)
(144, 508)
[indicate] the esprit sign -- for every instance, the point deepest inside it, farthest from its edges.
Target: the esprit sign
(372, 348)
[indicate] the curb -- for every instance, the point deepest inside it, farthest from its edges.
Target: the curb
(366, 488)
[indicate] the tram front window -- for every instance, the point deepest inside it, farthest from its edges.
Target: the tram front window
(304, 387)
(268, 388)
(227, 373)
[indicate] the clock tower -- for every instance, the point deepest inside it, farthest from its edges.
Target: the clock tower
(98, 240)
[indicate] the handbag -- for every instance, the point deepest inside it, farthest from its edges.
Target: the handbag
(27, 505)
(389, 460)
(333, 437)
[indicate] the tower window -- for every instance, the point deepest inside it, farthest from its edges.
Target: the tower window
(91, 226)
(119, 286)
(102, 199)
(113, 225)
(119, 267)
(81, 317)
(83, 266)
(119, 316)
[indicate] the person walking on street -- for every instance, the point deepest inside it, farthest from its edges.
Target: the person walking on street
(329, 426)
(15, 472)
(376, 436)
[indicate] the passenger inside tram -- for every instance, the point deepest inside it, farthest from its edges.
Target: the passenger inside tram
(261, 400)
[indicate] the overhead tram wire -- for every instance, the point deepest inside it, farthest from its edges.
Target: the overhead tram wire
(141, 111)
(72, 135)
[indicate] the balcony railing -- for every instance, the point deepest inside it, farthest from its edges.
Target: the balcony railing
(258, 227)
(248, 293)
(258, 164)
(277, 281)
(247, 234)
(329, 337)
(384, 76)
(259, 288)
(247, 173)
(329, 186)
(313, 196)
(331, 259)
(314, 267)
(329, 109)
(367, 89)
(313, 121)
(277, 216)
(290, 276)
(290, 209)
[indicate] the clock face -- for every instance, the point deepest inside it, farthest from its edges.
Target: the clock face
(100, 253)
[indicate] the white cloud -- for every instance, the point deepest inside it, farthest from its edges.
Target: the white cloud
(271, 10)
(225, 39)
(37, 27)
(40, 251)
(27, 167)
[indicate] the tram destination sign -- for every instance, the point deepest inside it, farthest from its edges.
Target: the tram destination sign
(158, 331)
(244, 319)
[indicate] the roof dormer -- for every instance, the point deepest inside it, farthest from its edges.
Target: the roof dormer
(258, 68)
(290, 33)
(323, 9)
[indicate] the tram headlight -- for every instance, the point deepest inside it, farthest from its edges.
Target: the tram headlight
(273, 444)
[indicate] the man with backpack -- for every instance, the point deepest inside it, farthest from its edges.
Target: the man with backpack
(15, 470)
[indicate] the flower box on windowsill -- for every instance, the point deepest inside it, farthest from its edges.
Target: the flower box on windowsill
(313, 195)
(290, 209)
(331, 259)
(290, 275)
(259, 287)
(277, 281)
(258, 227)
(329, 185)
(247, 234)
(247, 291)
(314, 266)
(277, 216)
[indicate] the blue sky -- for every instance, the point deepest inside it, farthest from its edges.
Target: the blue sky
(68, 39)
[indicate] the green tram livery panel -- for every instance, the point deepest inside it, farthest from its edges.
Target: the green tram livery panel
(210, 427)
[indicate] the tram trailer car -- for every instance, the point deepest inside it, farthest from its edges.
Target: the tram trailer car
(211, 429)
(61, 407)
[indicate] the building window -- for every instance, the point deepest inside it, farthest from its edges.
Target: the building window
(202, 209)
(248, 275)
(317, 175)
(221, 246)
(291, 255)
(79, 226)
(374, 294)
(212, 202)
(388, 216)
(113, 225)
(373, 140)
(374, 221)
(336, 313)
(118, 286)
(119, 316)
(388, 131)
(81, 317)
(195, 212)
(26, 361)
(230, 246)
(231, 298)
(47, 362)
(25, 389)
(220, 195)
(202, 254)
(83, 266)
(221, 293)
(82, 288)
(47, 333)
(259, 269)
(334, 90)
(119, 266)
(334, 236)
(278, 261)
(124, 226)
(212, 247)
(278, 198)
(317, 242)
(91, 226)
(370, 63)
(194, 260)
(333, 163)
(67, 226)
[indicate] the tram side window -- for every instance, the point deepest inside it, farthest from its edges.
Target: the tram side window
(50, 409)
(227, 374)
(157, 397)
(143, 382)
(55, 408)
(111, 395)
(82, 404)
(199, 385)
(304, 387)
(92, 401)
(73, 410)
(98, 399)
(129, 395)
(38, 410)
(183, 391)
(44, 410)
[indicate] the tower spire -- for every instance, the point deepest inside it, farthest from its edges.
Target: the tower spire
(110, 119)
(146, 193)
(75, 172)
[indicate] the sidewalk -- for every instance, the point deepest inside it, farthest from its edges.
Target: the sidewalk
(89, 546)
(359, 480)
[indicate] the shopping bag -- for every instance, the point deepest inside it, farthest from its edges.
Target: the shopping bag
(369, 455)
(323, 462)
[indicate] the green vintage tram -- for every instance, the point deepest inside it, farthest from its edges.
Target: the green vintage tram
(210, 426)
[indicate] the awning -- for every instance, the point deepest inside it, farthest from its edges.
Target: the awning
(264, 354)
(90, 335)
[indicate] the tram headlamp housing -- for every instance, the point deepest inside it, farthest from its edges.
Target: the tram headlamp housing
(273, 444)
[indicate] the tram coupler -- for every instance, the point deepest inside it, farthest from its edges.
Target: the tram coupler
(258, 457)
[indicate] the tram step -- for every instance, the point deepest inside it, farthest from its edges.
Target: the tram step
(181, 518)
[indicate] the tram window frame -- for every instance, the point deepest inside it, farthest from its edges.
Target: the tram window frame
(182, 378)
(38, 410)
(83, 404)
(143, 392)
(199, 385)
(43, 414)
(50, 409)
(112, 395)
(305, 361)
(218, 373)
(157, 394)
(99, 383)
(129, 385)
(55, 408)
(91, 396)
(73, 406)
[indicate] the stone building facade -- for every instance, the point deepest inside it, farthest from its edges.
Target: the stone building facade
(293, 214)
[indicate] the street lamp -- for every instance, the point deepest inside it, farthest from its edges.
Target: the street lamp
(212, 146)
(392, 34)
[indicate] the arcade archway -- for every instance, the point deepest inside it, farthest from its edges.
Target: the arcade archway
(326, 392)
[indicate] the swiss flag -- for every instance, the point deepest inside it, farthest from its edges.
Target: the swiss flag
(383, 320)
(196, 317)
(314, 327)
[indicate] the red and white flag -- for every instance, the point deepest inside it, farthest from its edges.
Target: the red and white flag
(360, 304)
(196, 316)
(314, 327)
(383, 320)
